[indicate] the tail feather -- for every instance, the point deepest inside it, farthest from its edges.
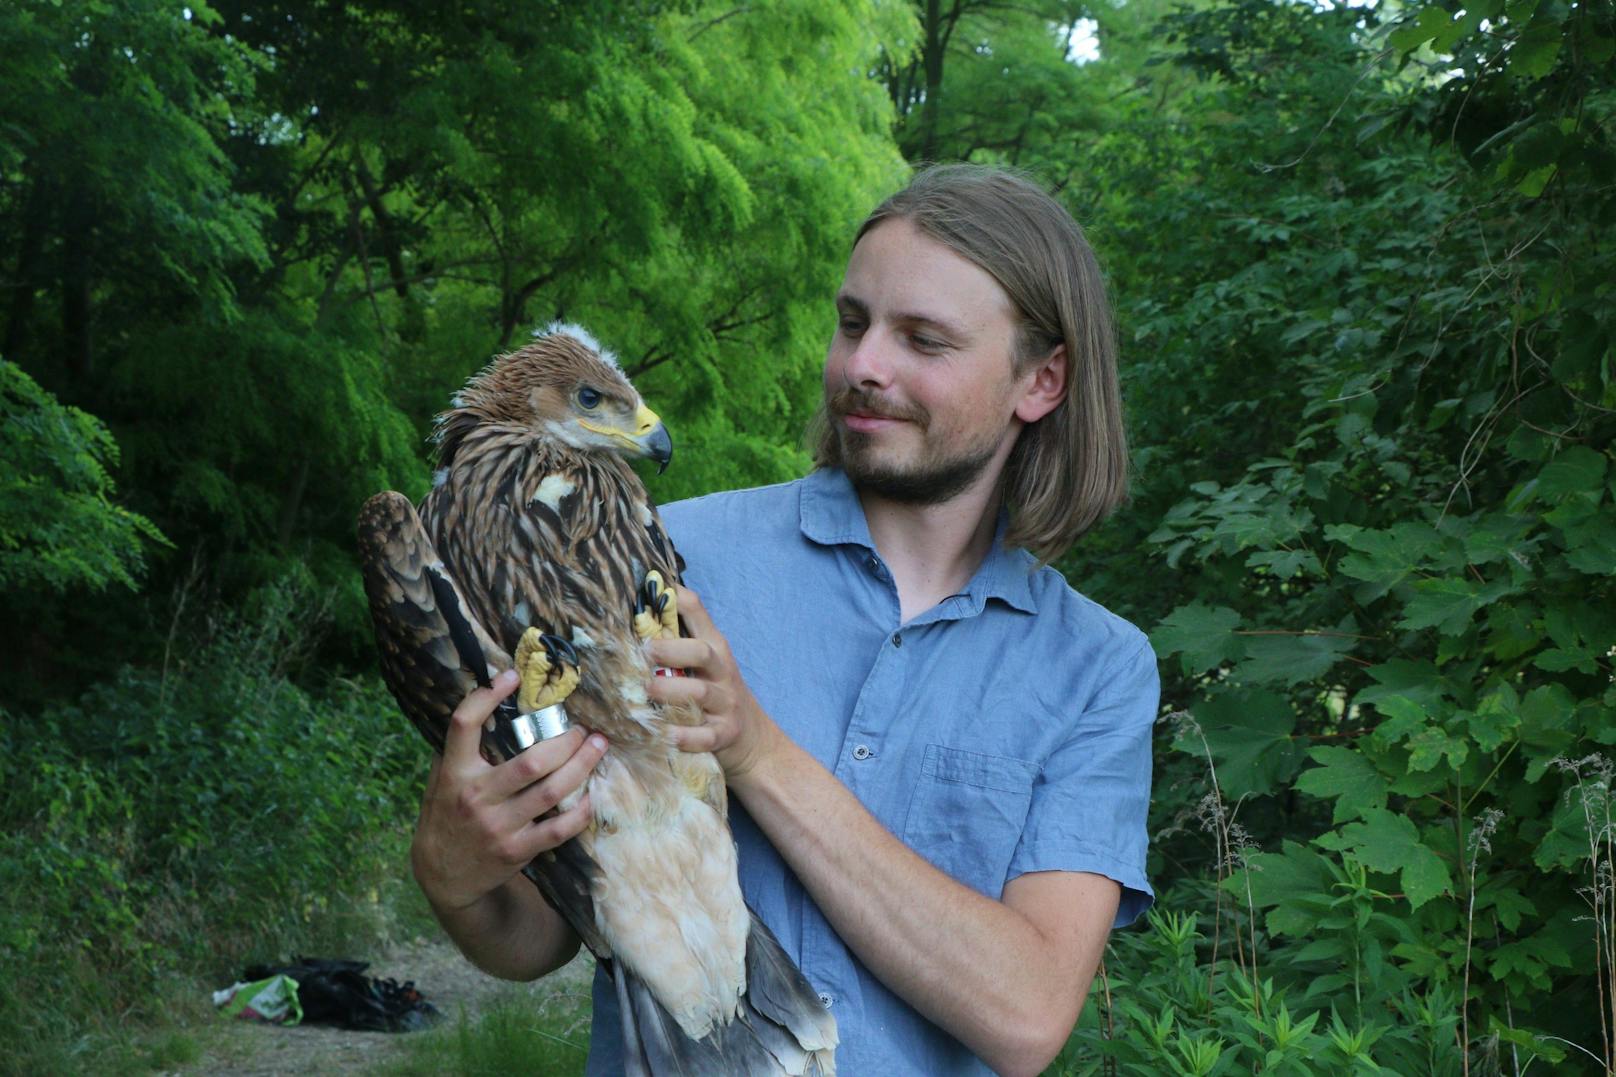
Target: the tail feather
(777, 990)
(775, 1039)
(781, 1030)
(665, 1050)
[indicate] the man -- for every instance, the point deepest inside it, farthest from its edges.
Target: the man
(938, 753)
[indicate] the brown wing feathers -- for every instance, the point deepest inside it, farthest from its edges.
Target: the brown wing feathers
(420, 661)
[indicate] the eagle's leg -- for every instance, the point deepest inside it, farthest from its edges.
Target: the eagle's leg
(656, 615)
(656, 611)
(549, 670)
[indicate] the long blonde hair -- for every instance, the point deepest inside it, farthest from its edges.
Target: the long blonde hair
(1068, 470)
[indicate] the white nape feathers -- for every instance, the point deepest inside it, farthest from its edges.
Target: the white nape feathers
(582, 336)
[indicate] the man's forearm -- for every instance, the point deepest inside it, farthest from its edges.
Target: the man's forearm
(511, 932)
(977, 967)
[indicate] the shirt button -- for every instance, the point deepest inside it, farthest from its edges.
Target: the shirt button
(897, 639)
(862, 752)
(826, 1000)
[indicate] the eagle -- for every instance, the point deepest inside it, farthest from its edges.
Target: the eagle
(538, 549)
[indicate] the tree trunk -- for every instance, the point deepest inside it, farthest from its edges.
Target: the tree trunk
(386, 229)
(77, 229)
(292, 505)
(932, 58)
(22, 300)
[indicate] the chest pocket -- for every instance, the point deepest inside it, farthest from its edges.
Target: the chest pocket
(967, 813)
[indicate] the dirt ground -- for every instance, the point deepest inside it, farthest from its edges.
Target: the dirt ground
(449, 982)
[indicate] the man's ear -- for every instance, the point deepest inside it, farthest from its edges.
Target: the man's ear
(1047, 387)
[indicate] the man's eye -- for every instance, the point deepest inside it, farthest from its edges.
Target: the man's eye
(588, 398)
(924, 343)
(850, 326)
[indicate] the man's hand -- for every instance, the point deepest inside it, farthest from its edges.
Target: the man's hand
(735, 728)
(480, 824)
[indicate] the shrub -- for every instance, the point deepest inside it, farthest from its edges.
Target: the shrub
(180, 822)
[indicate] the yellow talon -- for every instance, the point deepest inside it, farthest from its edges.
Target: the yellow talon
(546, 680)
(656, 610)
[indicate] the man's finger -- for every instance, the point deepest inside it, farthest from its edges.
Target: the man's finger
(671, 691)
(694, 738)
(533, 764)
(688, 653)
(550, 832)
(694, 614)
(573, 771)
(462, 744)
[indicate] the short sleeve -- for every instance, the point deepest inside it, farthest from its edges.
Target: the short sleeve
(1090, 801)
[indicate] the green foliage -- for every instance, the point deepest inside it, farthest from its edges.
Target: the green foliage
(297, 234)
(1374, 387)
(59, 529)
(187, 819)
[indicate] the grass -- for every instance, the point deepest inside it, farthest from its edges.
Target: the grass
(515, 1033)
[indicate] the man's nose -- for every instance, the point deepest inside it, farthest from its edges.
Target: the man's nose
(869, 364)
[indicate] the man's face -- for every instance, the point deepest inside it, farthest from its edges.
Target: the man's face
(919, 383)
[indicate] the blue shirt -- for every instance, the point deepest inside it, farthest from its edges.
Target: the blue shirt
(1003, 731)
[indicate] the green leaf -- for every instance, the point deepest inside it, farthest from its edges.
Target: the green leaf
(1383, 559)
(1570, 839)
(1346, 776)
(1450, 603)
(1494, 537)
(1577, 470)
(1404, 718)
(1548, 723)
(1416, 32)
(1531, 1043)
(1444, 39)
(1418, 681)
(1385, 841)
(1531, 184)
(1202, 637)
(1250, 735)
(1509, 904)
(1293, 884)
(1495, 719)
(1590, 540)
(1536, 48)
(1286, 563)
(1288, 659)
(1556, 660)
(1430, 745)
(1511, 631)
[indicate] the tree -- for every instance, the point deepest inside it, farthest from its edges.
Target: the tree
(1009, 83)
(60, 530)
(350, 210)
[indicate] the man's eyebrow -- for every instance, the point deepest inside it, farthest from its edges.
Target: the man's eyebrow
(948, 328)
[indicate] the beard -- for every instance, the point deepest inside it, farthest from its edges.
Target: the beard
(930, 481)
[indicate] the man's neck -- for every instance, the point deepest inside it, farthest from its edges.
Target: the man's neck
(933, 550)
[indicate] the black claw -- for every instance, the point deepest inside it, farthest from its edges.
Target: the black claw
(558, 650)
(651, 596)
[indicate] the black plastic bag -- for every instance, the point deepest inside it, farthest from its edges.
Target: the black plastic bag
(337, 992)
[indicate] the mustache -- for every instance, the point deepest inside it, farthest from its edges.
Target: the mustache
(849, 399)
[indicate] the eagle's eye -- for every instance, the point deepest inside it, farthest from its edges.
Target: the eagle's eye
(588, 398)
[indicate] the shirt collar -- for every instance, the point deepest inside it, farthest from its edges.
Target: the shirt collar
(832, 516)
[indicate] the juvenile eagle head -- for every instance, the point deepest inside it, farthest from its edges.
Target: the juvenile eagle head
(565, 388)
